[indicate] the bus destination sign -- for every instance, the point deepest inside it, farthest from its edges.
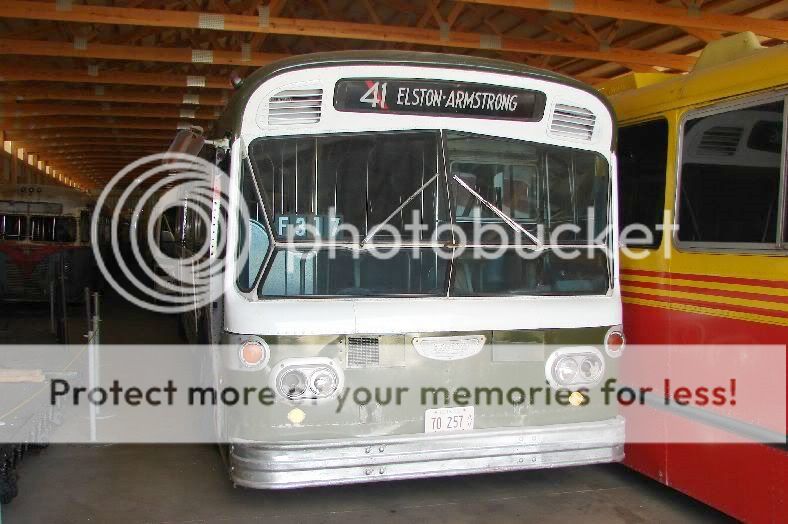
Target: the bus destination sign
(438, 98)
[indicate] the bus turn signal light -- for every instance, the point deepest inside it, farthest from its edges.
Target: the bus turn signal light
(253, 353)
(615, 342)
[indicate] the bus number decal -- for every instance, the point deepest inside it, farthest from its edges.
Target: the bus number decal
(375, 95)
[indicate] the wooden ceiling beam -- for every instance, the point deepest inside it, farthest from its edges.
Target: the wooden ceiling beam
(65, 143)
(88, 167)
(135, 52)
(89, 149)
(99, 122)
(651, 30)
(373, 14)
(82, 148)
(293, 26)
(565, 31)
(653, 13)
(16, 111)
(99, 94)
(52, 155)
(97, 75)
(106, 161)
(275, 8)
(705, 35)
(76, 165)
(625, 40)
(95, 160)
(87, 132)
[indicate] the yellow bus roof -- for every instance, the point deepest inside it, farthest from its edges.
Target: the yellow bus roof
(729, 67)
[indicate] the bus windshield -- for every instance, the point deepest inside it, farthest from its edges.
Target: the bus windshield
(379, 214)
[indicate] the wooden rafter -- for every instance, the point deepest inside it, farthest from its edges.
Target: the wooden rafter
(651, 30)
(181, 53)
(100, 75)
(653, 13)
(85, 132)
(15, 111)
(293, 26)
(87, 142)
(126, 52)
(112, 95)
(106, 122)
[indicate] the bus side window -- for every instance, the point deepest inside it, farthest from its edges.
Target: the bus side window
(730, 178)
(13, 227)
(254, 235)
(642, 161)
(222, 157)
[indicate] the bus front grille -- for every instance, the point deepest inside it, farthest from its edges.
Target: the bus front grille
(363, 351)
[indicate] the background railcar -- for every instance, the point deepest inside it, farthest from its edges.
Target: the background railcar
(702, 163)
(44, 229)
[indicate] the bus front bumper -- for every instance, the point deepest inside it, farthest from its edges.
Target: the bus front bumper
(365, 459)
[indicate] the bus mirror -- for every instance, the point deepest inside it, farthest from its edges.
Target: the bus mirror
(187, 141)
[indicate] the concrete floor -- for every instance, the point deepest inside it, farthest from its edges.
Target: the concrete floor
(180, 484)
(187, 483)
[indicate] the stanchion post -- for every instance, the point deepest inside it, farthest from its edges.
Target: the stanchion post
(96, 341)
(92, 408)
(87, 307)
(52, 323)
(63, 299)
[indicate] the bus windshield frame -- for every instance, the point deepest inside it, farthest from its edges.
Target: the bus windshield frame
(482, 164)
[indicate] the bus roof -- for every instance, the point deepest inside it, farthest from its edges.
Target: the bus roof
(69, 197)
(729, 67)
(229, 123)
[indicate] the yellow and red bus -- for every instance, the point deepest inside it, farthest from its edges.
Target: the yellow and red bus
(702, 163)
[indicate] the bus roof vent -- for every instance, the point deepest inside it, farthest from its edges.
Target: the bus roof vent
(720, 140)
(572, 121)
(295, 106)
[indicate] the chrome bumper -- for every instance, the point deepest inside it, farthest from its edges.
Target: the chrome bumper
(366, 459)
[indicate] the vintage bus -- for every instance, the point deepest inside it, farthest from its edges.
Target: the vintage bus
(355, 145)
(703, 155)
(43, 229)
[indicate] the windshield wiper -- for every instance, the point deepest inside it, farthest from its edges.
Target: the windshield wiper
(500, 214)
(407, 201)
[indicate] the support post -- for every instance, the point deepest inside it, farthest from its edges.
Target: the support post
(52, 322)
(88, 317)
(96, 343)
(92, 408)
(63, 299)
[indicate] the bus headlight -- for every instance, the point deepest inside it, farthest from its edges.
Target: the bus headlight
(565, 370)
(591, 368)
(323, 382)
(292, 384)
(307, 378)
(574, 367)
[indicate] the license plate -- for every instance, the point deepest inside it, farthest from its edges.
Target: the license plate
(441, 420)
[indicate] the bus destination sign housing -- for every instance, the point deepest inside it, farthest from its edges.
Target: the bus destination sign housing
(438, 98)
